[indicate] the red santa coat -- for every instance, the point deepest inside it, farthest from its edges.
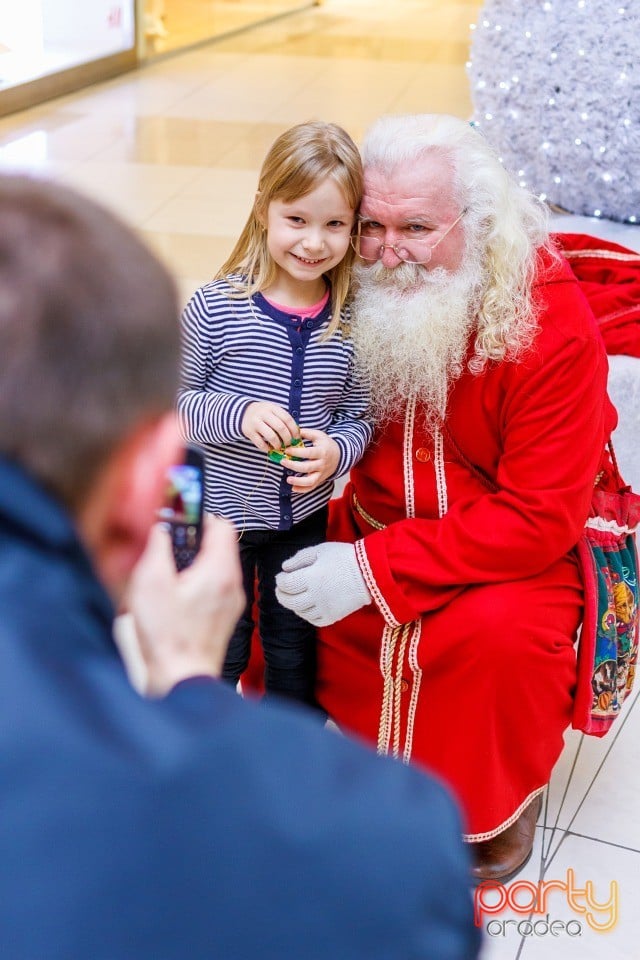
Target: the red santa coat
(465, 660)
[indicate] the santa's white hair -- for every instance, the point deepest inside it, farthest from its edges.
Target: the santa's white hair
(505, 226)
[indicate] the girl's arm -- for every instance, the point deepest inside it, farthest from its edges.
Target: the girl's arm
(206, 415)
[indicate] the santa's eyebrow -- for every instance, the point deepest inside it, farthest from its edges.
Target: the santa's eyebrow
(421, 218)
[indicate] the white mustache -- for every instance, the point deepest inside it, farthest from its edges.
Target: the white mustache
(411, 330)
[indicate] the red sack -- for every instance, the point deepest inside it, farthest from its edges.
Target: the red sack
(609, 276)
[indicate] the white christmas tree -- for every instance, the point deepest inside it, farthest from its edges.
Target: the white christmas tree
(556, 89)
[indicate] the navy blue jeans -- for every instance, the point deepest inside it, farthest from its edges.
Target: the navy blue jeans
(288, 641)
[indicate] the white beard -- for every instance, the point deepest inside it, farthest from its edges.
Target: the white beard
(411, 329)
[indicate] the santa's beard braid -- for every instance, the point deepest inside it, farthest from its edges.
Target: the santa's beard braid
(411, 330)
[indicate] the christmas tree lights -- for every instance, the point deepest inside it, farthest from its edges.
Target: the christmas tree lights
(556, 89)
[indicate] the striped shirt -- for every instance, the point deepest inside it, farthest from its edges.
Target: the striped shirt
(236, 351)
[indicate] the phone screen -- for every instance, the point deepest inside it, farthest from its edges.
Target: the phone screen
(182, 507)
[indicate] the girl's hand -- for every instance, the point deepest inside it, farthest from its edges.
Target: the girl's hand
(318, 462)
(268, 425)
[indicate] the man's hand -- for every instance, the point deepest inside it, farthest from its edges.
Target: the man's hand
(184, 620)
(323, 584)
(268, 425)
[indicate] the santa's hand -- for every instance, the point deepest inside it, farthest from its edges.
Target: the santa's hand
(322, 584)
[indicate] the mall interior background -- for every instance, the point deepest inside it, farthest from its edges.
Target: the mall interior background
(175, 147)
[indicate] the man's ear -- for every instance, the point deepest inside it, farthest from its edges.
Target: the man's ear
(122, 506)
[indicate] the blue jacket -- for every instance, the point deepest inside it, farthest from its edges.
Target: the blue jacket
(200, 827)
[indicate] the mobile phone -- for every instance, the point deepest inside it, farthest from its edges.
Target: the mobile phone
(183, 506)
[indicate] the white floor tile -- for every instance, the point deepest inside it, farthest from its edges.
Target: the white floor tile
(31, 160)
(155, 89)
(372, 89)
(135, 191)
(251, 93)
(579, 795)
(438, 87)
(215, 202)
(610, 808)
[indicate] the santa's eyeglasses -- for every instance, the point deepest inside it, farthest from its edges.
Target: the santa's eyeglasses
(369, 246)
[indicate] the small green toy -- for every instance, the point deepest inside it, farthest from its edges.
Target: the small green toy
(277, 455)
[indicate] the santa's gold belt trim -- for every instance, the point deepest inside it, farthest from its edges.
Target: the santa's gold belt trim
(357, 506)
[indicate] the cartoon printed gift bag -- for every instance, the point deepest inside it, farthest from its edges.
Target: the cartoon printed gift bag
(608, 645)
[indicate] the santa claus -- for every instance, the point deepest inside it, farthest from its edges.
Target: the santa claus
(450, 597)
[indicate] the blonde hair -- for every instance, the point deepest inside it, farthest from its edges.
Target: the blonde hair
(505, 225)
(296, 163)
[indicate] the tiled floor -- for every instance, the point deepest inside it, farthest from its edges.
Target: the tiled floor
(175, 148)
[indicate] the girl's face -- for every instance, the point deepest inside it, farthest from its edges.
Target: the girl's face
(309, 236)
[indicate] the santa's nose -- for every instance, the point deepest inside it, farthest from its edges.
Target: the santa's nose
(390, 256)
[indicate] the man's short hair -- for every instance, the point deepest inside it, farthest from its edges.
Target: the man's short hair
(89, 334)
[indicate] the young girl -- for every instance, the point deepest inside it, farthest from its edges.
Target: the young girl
(267, 362)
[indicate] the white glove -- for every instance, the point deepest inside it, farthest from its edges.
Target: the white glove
(322, 584)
